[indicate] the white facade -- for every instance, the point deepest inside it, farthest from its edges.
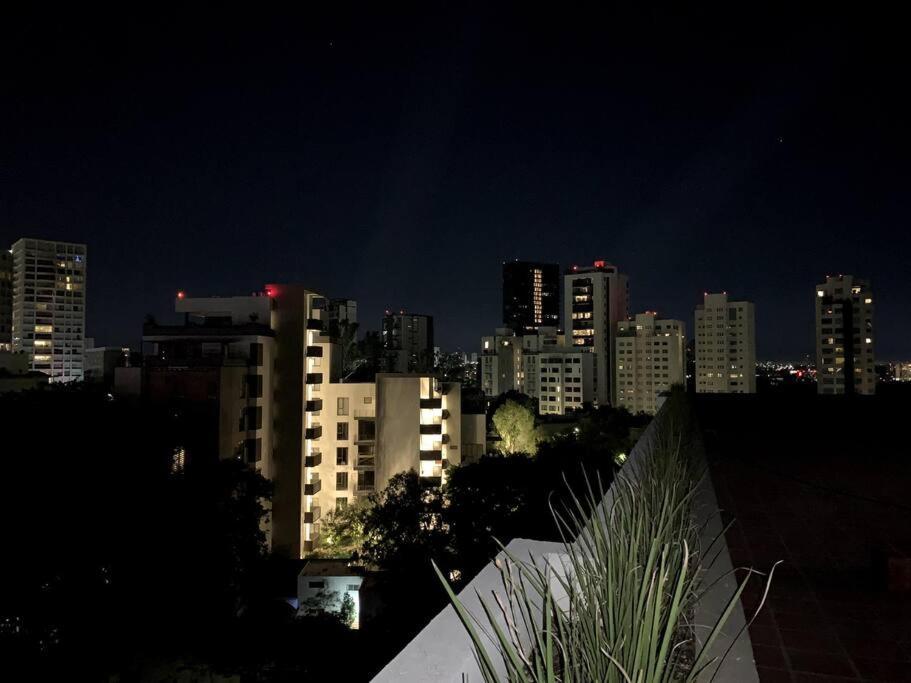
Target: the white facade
(725, 346)
(594, 301)
(539, 365)
(501, 362)
(651, 358)
(323, 585)
(845, 336)
(564, 380)
(49, 299)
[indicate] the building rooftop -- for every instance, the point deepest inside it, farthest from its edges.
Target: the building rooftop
(330, 567)
(820, 483)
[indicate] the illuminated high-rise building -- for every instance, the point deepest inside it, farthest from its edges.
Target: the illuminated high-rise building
(844, 336)
(651, 359)
(531, 295)
(594, 301)
(725, 346)
(49, 298)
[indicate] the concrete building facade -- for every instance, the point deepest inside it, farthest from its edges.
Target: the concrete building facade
(267, 372)
(845, 336)
(408, 342)
(725, 346)
(594, 301)
(49, 300)
(651, 358)
(539, 365)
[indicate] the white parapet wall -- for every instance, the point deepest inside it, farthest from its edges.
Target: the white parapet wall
(443, 650)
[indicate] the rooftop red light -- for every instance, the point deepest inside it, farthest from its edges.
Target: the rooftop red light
(181, 294)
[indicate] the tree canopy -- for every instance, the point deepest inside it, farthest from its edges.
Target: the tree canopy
(515, 423)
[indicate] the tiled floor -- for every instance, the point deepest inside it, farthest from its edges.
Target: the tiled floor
(829, 614)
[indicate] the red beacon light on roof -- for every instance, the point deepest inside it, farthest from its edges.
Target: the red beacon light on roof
(181, 294)
(599, 264)
(270, 292)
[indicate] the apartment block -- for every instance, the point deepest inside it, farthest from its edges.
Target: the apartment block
(501, 362)
(565, 380)
(651, 358)
(408, 342)
(531, 295)
(540, 365)
(48, 312)
(260, 376)
(845, 336)
(594, 301)
(725, 346)
(509, 361)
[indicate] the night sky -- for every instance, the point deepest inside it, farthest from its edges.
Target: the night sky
(398, 158)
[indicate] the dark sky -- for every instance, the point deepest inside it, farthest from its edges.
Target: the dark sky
(398, 157)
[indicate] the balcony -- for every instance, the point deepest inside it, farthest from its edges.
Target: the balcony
(431, 429)
(314, 324)
(313, 488)
(314, 406)
(365, 462)
(313, 432)
(365, 488)
(314, 352)
(431, 403)
(314, 378)
(311, 517)
(314, 460)
(431, 455)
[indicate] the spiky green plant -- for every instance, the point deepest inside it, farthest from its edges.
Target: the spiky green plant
(618, 605)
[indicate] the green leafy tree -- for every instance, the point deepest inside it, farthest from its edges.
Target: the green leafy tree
(346, 611)
(341, 532)
(515, 423)
(404, 525)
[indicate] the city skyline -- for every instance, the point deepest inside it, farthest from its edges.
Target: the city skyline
(323, 151)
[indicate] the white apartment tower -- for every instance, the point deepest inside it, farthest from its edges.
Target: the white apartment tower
(49, 298)
(725, 346)
(844, 336)
(594, 301)
(651, 358)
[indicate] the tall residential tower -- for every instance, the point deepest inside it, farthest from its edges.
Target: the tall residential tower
(531, 295)
(49, 306)
(594, 301)
(844, 336)
(725, 346)
(651, 358)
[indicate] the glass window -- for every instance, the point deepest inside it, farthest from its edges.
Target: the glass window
(342, 406)
(341, 455)
(341, 431)
(341, 481)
